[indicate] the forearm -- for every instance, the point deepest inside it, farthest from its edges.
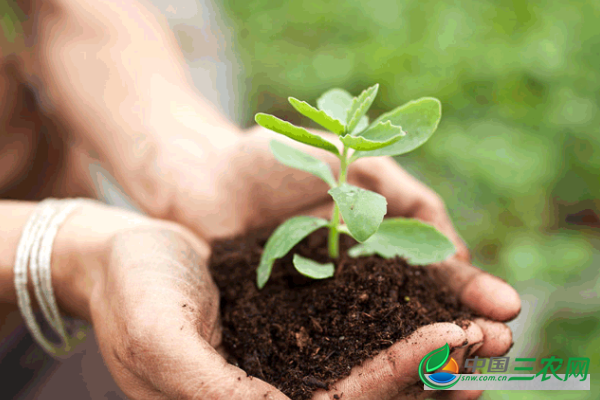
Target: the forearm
(15, 215)
(113, 72)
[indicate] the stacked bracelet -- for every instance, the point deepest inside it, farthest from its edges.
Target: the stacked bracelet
(34, 253)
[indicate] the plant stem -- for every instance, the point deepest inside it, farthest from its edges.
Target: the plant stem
(334, 234)
(343, 167)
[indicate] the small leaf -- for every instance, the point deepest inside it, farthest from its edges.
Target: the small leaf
(313, 269)
(378, 136)
(319, 116)
(295, 158)
(418, 118)
(294, 132)
(382, 131)
(438, 358)
(286, 236)
(362, 125)
(361, 209)
(359, 107)
(419, 243)
(362, 144)
(336, 103)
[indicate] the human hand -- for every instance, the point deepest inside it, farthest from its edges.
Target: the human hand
(155, 308)
(268, 192)
(145, 287)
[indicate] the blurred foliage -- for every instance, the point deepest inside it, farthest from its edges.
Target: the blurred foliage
(10, 21)
(518, 148)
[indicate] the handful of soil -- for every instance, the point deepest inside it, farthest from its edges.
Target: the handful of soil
(300, 334)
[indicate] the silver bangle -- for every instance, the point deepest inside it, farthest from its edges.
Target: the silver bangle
(34, 253)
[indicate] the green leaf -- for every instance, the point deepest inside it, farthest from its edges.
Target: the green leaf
(359, 107)
(418, 118)
(362, 125)
(419, 243)
(293, 132)
(336, 103)
(295, 158)
(286, 236)
(382, 131)
(319, 116)
(313, 269)
(378, 136)
(361, 209)
(438, 358)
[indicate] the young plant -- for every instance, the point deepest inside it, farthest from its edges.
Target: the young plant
(396, 132)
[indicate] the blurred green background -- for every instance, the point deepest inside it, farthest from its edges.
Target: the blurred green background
(518, 148)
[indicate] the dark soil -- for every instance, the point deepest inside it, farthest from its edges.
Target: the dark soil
(300, 334)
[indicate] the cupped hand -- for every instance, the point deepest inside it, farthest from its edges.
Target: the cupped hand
(255, 190)
(154, 307)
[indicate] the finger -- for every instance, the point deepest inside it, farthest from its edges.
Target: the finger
(170, 360)
(154, 316)
(189, 368)
(485, 294)
(475, 337)
(497, 338)
(394, 372)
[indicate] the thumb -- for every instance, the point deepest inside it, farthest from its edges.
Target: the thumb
(394, 373)
(154, 313)
(195, 370)
(166, 358)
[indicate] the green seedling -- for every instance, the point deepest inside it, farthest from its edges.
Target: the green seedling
(394, 133)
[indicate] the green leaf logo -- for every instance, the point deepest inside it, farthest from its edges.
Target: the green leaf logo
(438, 359)
(435, 360)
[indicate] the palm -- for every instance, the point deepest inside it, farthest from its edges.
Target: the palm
(159, 328)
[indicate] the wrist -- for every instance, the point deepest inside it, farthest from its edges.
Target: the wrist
(76, 268)
(194, 160)
(81, 252)
(66, 274)
(15, 216)
(183, 140)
